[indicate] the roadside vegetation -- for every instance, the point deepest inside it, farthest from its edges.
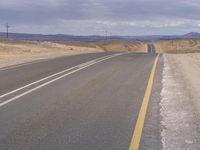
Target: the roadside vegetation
(178, 46)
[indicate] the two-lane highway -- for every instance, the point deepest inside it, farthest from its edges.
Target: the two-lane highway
(85, 102)
(16, 77)
(151, 48)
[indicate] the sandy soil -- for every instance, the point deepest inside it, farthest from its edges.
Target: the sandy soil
(119, 45)
(180, 102)
(178, 45)
(15, 52)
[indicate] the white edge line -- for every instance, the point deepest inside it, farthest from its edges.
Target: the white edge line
(53, 75)
(31, 62)
(51, 81)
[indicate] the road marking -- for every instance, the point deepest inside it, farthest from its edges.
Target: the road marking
(60, 77)
(51, 76)
(147, 48)
(31, 62)
(135, 142)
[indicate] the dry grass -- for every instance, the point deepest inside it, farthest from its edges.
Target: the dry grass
(120, 45)
(178, 46)
(19, 46)
(20, 51)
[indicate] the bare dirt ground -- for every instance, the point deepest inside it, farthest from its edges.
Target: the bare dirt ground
(178, 46)
(15, 52)
(120, 45)
(180, 102)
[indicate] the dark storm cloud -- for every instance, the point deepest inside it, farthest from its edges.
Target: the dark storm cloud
(47, 12)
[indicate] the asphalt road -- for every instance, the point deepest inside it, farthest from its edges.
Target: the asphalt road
(61, 105)
(151, 48)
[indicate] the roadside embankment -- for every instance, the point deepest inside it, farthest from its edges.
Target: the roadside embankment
(17, 51)
(122, 45)
(177, 46)
(20, 51)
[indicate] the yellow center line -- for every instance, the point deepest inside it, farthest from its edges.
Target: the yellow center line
(135, 142)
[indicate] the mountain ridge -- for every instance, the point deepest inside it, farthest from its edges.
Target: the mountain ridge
(65, 37)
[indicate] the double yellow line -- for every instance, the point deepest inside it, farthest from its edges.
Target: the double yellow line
(135, 142)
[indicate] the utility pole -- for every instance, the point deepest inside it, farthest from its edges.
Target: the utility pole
(110, 36)
(106, 35)
(7, 30)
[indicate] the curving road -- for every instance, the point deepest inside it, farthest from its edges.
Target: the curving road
(86, 102)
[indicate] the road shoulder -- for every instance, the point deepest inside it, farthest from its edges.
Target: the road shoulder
(179, 102)
(151, 138)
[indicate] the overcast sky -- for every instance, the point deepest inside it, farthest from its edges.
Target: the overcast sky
(86, 17)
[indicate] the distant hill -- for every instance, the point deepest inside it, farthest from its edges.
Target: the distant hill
(192, 35)
(63, 37)
(56, 37)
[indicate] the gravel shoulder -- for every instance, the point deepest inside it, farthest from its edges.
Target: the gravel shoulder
(180, 102)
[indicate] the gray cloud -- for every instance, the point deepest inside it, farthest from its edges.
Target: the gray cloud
(92, 16)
